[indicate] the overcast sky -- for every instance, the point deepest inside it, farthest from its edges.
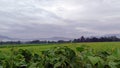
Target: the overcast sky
(61, 18)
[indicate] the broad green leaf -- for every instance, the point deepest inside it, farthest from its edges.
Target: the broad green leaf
(57, 64)
(94, 60)
(112, 64)
(88, 66)
(1, 66)
(116, 53)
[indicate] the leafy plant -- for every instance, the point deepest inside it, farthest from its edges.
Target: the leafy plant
(61, 57)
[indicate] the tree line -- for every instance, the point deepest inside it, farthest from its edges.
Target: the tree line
(78, 40)
(97, 39)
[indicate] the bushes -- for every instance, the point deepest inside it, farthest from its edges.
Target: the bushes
(61, 57)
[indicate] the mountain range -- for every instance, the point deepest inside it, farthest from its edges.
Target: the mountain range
(108, 35)
(6, 38)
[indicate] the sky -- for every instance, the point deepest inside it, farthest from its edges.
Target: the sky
(59, 18)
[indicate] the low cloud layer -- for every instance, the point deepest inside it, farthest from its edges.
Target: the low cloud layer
(64, 18)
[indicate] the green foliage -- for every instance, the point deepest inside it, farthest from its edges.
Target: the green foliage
(101, 59)
(61, 57)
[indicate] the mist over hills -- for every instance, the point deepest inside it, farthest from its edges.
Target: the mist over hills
(6, 38)
(108, 35)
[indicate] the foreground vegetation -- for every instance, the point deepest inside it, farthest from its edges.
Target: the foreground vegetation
(69, 55)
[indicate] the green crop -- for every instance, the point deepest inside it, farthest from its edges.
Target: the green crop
(61, 57)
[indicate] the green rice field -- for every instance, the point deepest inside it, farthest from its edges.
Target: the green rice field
(37, 48)
(64, 55)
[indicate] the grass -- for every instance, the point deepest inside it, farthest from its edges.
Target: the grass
(37, 48)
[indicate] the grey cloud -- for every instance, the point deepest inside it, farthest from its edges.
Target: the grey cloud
(48, 18)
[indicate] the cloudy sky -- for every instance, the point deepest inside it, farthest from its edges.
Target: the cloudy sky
(63, 18)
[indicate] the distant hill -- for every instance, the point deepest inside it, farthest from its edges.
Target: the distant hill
(6, 38)
(117, 35)
(51, 39)
(56, 38)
